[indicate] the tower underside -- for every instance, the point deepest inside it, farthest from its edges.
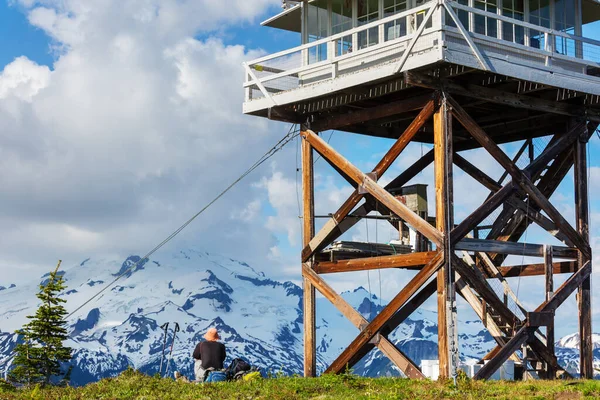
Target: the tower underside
(457, 109)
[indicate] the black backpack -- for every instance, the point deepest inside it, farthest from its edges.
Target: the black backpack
(237, 365)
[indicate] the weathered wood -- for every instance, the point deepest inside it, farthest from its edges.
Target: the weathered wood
(405, 364)
(500, 97)
(504, 353)
(481, 213)
(410, 260)
(372, 113)
(379, 321)
(476, 173)
(493, 271)
(373, 188)
(411, 306)
(331, 228)
(308, 231)
(535, 319)
(565, 267)
(584, 291)
(520, 249)
(566, 289)
(549, 277)
(411, 171)
(518, 176)
(539, 218)
(442, 133)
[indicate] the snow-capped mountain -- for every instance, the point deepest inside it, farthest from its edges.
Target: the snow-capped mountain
(258, 318)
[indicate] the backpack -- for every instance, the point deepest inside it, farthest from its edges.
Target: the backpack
(216, 376)
(237, 367)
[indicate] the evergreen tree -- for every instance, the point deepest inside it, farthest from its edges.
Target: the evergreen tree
(38, 358)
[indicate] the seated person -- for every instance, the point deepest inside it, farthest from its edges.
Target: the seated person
(208, 354)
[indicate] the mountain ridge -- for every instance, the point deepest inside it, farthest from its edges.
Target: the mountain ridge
(259, 318)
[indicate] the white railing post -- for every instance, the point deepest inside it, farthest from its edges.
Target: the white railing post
(548, 46)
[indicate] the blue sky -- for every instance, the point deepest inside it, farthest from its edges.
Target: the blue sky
(131, 112)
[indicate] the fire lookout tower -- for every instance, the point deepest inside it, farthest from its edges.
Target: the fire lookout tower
(459, 75)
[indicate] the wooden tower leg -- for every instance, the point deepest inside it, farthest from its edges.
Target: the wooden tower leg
(549, 274)
(442, 122)
(308, 232)
(584, 296)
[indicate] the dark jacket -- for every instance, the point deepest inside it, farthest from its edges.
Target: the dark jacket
(212, 354)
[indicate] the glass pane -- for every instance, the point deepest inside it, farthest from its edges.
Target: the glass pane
(486, 25)
(368, 11)
(396, 28)
(341, 20)
(539, 14)
(317, 29)
(511, 32)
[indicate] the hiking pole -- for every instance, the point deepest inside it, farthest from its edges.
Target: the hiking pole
(172, 343)
(164, 327)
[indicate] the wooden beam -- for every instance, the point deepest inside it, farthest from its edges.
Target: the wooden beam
(539, 218)
(410, 260)
(504, 353)
(379, 321)
(324, 237)
(565, 267)
(308, 231)
(442, 132)
(584, 291)
(372, 113)
(500, 97)
(370, 186)
(549, 278)
(387, 348)
(520, 249)
(476, 173)
(566, 289)
(411, 171)
(518, 176)
(481, 213)
(411, 306)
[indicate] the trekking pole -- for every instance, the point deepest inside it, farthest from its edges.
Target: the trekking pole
(172, 343)
(164, 327)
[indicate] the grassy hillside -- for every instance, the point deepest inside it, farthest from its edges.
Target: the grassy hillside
(132, 385)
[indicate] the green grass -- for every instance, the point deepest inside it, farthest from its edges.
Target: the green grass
(133, 385)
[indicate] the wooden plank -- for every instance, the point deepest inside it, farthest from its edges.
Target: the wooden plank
(442, 133)
(410, 260)
(518, 176)
(379, 321)
(405, 364)
(565, 267)
(582, 219)
(520, 249)
(373, 188)
(504, 353)
(308, 231)
(500, 97)
(331, 228)
(372, 113)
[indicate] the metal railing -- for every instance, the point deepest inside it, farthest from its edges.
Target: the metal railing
(393, 39)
